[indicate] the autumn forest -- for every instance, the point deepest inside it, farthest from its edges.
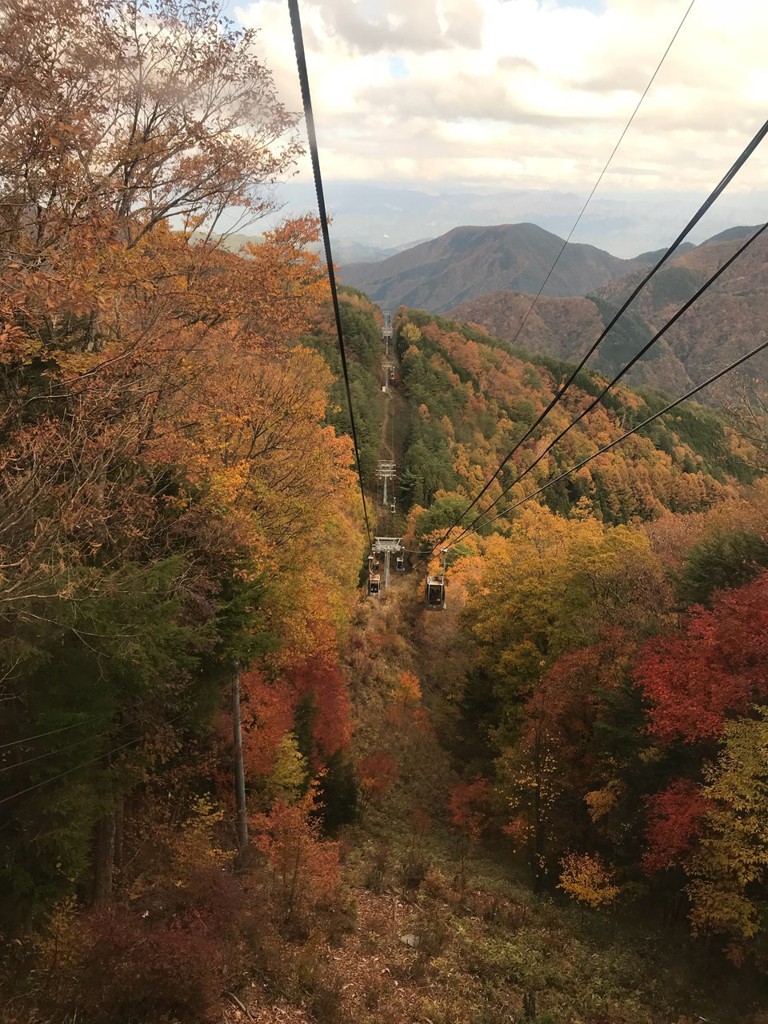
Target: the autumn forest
(233, 784)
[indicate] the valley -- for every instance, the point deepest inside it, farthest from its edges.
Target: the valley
(364, 657)
(480, 285)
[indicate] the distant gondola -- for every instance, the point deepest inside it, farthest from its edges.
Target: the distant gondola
(434, 596)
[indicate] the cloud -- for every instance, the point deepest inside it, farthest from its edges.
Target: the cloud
(462, 23)
(409, 27)
(526, 93)
(514, 64)
(405, 26)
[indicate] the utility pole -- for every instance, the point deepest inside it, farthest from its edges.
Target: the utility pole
(387, 546)
(241, 822)
(386, 330)
(386, 472)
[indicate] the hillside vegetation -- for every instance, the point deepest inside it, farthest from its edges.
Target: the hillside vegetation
(726, 322)
(599, 679)
(472, 396)
(233, 785)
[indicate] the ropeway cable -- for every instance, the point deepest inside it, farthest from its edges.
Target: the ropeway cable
(86, 721)
(602, 174)
(639, 355)
(612, 444)
(84, 764)
(557, 397)
(42, 735)
(63, 750)
(301, 61)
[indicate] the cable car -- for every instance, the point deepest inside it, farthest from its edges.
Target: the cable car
(374, 585)
(400, 563)
(434, 596)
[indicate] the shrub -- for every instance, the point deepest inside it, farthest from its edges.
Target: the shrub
(587, 879)
(305, 869)
(133, 971)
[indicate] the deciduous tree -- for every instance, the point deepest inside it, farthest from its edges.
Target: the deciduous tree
(712, 669)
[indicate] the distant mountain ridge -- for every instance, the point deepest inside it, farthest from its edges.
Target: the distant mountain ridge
(344, 250)
(469, 261)
(385, 213)
(729, 319)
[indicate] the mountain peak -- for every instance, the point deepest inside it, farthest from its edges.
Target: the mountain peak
(473, 260)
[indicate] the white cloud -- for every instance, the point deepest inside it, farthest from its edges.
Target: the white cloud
(528, 93)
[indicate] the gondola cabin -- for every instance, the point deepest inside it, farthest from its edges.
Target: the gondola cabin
(400, 563)
(435, 593)
(374, 585)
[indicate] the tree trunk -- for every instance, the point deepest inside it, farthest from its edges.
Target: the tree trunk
(239, 772)
(119, 818)
(104, 860)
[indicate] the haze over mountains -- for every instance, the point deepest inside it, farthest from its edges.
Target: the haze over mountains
(374, 217)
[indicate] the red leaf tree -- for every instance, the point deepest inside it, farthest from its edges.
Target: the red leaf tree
(470, 807)
(675, 817)
(715, 667)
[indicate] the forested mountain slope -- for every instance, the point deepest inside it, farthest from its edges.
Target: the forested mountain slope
(470, 261)
(471, 396)
(599, 676)
(727, 321)
(169, 474)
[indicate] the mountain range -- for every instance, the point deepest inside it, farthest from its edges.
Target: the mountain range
(489, 276)
(470, 261)
(382, 215)
(726, 321)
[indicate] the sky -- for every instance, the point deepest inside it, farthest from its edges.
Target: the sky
(526, 94)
